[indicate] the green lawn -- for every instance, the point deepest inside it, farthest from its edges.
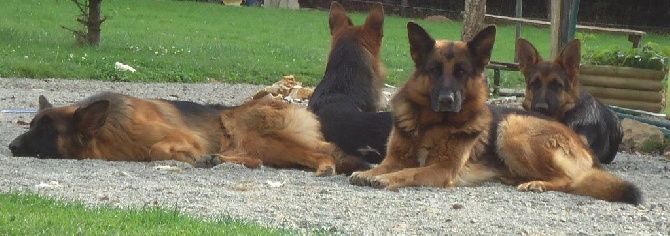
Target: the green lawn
(184, 41)
(29, 214)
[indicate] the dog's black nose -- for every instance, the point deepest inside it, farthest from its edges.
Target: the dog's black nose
(541, 107)
(446, 99)
(14, 146)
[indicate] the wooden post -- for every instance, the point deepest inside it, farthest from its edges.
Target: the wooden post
(556, 31)
(404, 5)
(473, 20)
(572, 25)
(563, 24)
(519, 14)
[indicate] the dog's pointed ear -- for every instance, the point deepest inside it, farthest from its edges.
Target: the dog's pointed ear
(375, 20)
(420, 42)
(44, 103)
(88, 120)
(527, 55)
(338, 18)
(570, 58)
(481, 45)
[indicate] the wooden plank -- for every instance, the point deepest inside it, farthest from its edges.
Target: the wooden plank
(622, 83)
(587, 28)
(510, 66)
(653, 75)
(645, 106)
(625, 94)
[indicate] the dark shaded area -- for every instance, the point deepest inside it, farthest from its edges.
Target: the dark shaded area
(649, 15)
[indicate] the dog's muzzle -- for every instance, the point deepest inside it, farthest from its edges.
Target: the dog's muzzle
(15, 147)
(540, 107)
(447, 101)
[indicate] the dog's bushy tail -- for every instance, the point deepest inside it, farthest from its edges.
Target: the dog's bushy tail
(603, 185)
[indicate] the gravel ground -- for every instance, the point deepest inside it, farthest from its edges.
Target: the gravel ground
(298, 200)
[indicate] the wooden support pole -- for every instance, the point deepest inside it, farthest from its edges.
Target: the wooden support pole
(556, 32)
(519, 14)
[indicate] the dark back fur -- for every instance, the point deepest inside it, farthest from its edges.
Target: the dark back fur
(348, 80)
(347, 98)
(598, 124)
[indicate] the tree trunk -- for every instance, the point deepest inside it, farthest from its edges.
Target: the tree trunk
(94, 22)
(473, 19)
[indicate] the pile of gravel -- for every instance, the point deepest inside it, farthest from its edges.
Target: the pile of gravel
(297, 200)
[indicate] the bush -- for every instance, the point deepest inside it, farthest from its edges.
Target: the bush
(650, 56)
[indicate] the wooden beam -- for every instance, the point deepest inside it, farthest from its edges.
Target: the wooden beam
(519, 14)
(556, 33)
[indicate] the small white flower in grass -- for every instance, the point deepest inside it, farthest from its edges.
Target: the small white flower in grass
(123, 67)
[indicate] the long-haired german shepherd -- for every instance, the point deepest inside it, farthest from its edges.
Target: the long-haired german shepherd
(445, 134)
(119, 127)
(347, 98)
(553, 89)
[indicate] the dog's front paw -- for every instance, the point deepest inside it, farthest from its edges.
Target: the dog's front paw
(379, 182)
(360, 178)
(325, 171)
(207, 161)
(534, 186)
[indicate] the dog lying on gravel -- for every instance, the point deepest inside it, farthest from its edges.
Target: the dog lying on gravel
(118, 127)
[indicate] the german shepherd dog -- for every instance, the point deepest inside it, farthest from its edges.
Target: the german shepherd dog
(553, 89)
(445, 135)
(118, 127)
(347, 98)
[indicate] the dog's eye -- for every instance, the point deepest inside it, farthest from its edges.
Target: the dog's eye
(535, 84)
(556, 86)
(436, 70)
(459, 72)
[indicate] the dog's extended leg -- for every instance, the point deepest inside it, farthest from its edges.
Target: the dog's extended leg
(287, 152)
(176, 147)
(561, 184)
(435, 175)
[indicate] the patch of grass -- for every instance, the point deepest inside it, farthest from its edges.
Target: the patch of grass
(30, 214)
(185, 41)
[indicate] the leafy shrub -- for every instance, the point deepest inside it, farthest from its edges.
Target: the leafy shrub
(649, 56)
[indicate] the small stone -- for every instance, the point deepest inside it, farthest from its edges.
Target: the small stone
(457, 206)
(644, 218)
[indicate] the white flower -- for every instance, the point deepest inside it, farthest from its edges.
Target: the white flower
(123, 67)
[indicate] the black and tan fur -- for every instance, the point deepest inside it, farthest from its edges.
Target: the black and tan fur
(553, 89)
(445, 134)
(119, 127)
(347, 98)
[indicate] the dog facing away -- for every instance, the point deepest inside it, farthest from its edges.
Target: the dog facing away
(445, 135)
(347, 98)
(553, 89)
(119, 127)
